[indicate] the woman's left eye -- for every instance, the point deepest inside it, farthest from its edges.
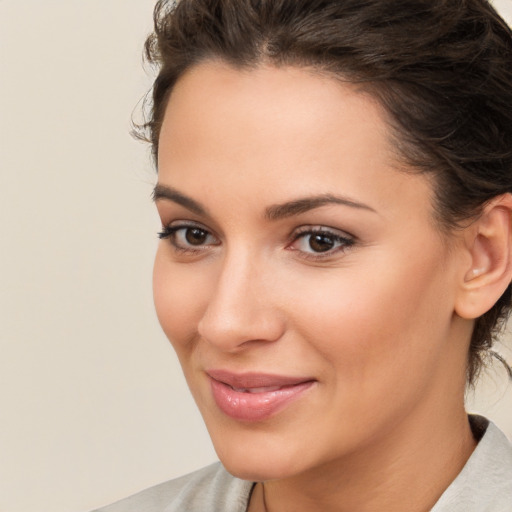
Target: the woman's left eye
(320, 242)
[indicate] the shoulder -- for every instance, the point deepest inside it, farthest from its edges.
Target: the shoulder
(211, 488)
(485, 482)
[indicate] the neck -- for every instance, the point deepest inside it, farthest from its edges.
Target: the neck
(407, 470)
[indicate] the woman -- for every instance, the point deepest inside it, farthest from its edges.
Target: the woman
(334, 185)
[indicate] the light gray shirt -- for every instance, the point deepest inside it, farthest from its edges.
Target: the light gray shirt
(483, 485)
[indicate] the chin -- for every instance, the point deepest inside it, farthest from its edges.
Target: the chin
(259, 457)
(256, 471)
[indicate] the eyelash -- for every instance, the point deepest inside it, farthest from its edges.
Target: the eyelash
(344, 241)
(170, 232)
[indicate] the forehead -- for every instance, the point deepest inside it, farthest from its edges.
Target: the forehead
(214, 98)
(270, 132)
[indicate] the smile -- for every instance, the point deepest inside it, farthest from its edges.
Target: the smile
(255, 397)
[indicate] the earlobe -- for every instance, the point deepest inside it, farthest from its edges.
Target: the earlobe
(489, 243)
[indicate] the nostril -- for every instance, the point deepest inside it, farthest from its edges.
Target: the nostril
(240, 330)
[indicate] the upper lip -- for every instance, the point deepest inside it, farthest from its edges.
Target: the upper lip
(255, 380)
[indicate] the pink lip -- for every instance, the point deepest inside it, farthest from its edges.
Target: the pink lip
(255, 396)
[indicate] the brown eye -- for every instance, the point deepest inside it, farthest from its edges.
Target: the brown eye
(321, 242)
(191, 238)
(196, 236)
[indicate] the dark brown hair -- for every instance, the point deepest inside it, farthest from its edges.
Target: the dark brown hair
(442, 69)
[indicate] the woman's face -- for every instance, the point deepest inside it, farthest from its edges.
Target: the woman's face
(301, 277)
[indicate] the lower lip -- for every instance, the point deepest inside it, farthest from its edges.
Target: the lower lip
(255, 406)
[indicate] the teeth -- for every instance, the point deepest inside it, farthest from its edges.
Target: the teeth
(263, 390)
(257, 390)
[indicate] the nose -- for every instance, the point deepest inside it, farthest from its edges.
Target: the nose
(242, 307)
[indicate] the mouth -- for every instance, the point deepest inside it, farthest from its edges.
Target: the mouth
(253, 397)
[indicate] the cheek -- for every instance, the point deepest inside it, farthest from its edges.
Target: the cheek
(376, 319)
(178, 299)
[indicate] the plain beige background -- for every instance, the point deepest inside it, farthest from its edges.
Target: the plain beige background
(92, 403)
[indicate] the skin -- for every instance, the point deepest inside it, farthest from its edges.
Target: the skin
(373, 320)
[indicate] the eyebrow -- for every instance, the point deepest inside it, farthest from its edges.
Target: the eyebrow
(274, 212)
(171, 194)
(298, 206)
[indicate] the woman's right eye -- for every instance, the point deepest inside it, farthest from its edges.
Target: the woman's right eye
(188, 238)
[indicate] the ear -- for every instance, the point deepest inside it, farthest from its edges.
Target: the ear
(489, 243)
